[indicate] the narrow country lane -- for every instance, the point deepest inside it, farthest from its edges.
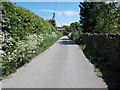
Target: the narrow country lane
(63, 65)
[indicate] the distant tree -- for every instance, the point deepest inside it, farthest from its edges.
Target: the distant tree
(75, 26)
(67, 30)
(52, 21)
(88, 12)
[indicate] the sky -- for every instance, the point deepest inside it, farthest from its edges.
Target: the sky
(65, 12)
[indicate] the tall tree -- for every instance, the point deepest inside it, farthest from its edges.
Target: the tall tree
(99, 17)
(86, 16)
(75, 27)
(52, 21)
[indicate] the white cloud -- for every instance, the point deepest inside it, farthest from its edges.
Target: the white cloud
(66, 24)
(70, 13)
(59, 23)
(59, 13)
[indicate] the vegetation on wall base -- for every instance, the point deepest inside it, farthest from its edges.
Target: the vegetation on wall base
(103, 66)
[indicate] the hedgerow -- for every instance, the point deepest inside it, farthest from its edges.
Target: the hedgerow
(23, 36)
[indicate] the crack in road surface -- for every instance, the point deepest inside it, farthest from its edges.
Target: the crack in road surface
(63, 65)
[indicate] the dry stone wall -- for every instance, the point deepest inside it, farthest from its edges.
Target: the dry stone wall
(103, 45)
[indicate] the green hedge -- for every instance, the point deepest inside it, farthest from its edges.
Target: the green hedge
(24, 35)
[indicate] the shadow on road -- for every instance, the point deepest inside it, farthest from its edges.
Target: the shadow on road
(64, 39)
(66, 42)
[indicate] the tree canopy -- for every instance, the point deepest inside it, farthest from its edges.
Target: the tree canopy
(52, 21)
(100, 17)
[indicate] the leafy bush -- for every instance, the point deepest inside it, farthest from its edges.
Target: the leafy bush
(24, 35)
(70, 35)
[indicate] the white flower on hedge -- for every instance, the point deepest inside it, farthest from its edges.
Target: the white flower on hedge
(32, 40)
(33, 51)
(1, 52)
(10, 58)
(53, 34)
(1, 36)
(8, 52)
(11, 44)
(40, 38)
(31, 43)
(10, 39)
(27, 46)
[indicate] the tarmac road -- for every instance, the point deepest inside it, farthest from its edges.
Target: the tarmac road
(63, 65)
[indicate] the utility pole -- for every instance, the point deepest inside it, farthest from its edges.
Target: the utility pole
(53, 18)
(61, 24)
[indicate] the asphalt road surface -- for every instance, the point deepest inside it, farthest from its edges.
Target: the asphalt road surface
(63, 65)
